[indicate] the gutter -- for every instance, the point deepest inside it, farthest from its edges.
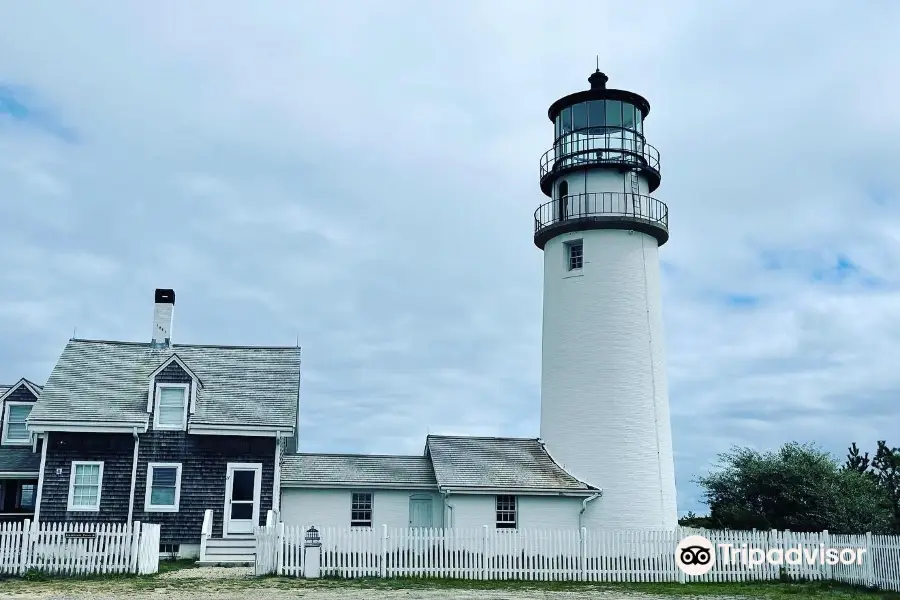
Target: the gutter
(446, 496)
(584, 504)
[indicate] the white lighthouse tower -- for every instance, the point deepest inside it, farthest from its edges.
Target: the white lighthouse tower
(604, 398)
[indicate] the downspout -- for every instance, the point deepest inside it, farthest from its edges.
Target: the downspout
(134, 464)
(449, 511)
(584, 504)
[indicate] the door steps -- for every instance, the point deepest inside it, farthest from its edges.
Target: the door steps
(233, 551)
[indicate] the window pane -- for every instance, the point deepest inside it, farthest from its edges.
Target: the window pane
(26, 499)
(17, 432)
(164, 476)
(242, 488)
(18, 413)
(613, 113)
(87, 474)
(171, 397)
(162, 496)
(628, 115)
(597, 116)
(242, 510)
(580, 116)
(556, 130)
(566, 116)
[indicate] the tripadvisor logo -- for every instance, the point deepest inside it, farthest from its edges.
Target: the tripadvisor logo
(695, 555)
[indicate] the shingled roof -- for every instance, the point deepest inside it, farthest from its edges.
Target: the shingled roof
(107, 382)
(19, 460)
(357, 470)
(514, 464)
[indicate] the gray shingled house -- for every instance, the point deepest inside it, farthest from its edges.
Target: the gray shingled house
(458, 482)
(19, 459)
(161, 432)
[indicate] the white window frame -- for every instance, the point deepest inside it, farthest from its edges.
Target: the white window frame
(361, 524)
(70, 506)
(514, 524)
(4, 438)
(186, 387)
(148, 506)
(569, 246)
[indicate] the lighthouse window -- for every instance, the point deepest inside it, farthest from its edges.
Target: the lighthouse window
(613, 113)
(575, 254)
(597, 116)
(565, 125)
(628, 116)
(580, 116)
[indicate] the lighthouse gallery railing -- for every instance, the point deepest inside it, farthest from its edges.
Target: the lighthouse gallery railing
(623, 205)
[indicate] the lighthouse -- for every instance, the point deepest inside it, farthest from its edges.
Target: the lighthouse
(604, 396)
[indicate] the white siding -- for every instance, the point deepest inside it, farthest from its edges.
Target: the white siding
(604, 396)
(331, 508)
(533, 512)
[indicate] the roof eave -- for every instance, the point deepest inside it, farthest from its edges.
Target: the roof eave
(518, 491)
(59, 425)
(358, 485)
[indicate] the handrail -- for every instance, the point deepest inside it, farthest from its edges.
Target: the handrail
(581, 151)
(625, 204)
(605, 207)
(205, 532)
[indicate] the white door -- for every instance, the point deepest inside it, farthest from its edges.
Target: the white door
(420, 512)
(243, 485)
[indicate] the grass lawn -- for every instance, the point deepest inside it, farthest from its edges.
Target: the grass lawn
(134, 584)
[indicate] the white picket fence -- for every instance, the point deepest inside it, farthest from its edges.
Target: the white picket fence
(561, 555)
(79, 548)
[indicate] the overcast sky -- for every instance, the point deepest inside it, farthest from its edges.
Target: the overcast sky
(361, 176)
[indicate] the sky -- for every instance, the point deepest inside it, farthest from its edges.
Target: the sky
(361, 177)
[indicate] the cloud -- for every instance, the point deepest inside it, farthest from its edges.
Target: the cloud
(363, 176)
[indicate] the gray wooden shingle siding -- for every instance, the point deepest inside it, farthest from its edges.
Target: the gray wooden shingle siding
(21, 394)
(203, 459)
(116, 450)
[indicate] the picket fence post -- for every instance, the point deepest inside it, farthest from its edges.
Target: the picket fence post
(279, 548)
(382, 564)
(135, 545)
(870, 561)
(583, 554)
(484, 554)
(827, 568)
(679, 531)
(24, 545)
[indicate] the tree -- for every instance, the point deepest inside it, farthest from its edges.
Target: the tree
(798, 487)
(884, 470)
(696, 521)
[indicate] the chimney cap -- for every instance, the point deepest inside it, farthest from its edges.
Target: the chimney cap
(164, 296)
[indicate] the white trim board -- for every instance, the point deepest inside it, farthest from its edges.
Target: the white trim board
(240, 430)
(20, 474)
(86, 426)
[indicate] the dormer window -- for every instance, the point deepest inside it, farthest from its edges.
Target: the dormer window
(170, 412)
(15, 432)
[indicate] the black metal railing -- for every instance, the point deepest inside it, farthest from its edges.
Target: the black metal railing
(602, 205)
(575, 151)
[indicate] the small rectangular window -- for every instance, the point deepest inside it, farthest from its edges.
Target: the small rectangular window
(26, 496)
(361, 510)
(575, 255)
(163, 492)
(15, 430)
(506, 512)
(171, 407)
(85, 485)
